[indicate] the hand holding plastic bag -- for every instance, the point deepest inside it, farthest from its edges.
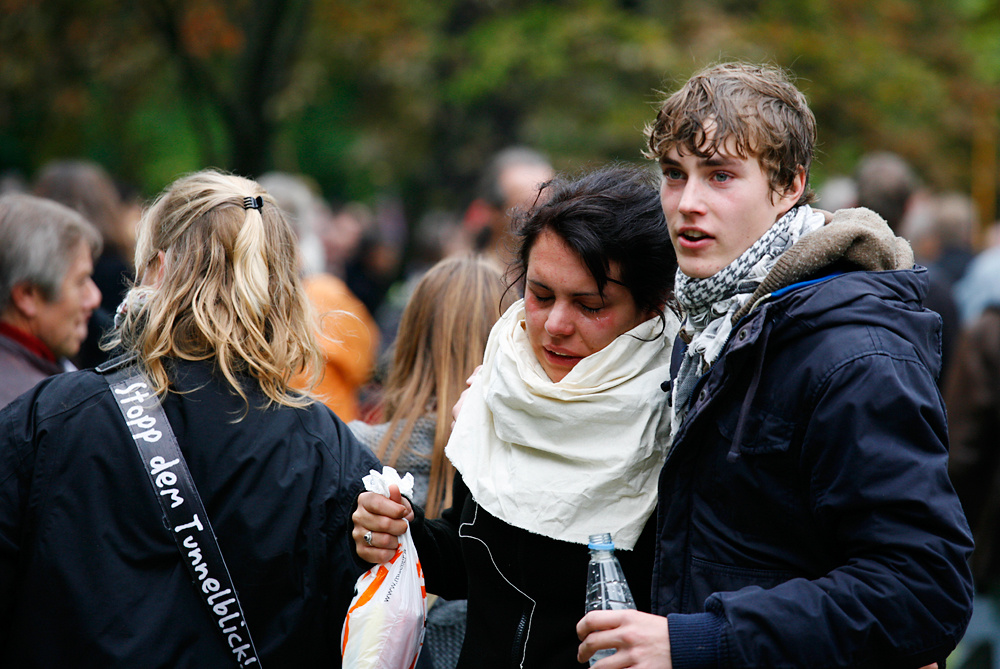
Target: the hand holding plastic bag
(384, 628)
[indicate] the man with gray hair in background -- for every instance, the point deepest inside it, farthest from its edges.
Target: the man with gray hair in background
(47, 256)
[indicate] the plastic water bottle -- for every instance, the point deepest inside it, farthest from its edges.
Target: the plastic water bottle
(606, 585)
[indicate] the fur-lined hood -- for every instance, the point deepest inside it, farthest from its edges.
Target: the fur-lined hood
(851, 239)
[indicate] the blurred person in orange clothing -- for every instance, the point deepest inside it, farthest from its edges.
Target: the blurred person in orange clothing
(349, 335)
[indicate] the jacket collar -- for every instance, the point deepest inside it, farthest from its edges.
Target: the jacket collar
(29, 341)
(855, 239)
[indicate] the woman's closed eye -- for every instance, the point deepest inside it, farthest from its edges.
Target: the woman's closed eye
(540, 298)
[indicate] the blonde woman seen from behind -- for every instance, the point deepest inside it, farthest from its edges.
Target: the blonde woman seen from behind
(217, 324)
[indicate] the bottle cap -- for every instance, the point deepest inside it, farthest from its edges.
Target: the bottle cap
(601, 542)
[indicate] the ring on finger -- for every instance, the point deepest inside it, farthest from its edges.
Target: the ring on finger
(368, 537)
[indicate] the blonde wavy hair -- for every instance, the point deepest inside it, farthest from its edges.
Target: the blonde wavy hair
(441, 340)
(217, 281)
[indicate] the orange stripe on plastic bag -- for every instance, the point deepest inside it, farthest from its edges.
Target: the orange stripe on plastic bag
(362, 600)
(370, 592)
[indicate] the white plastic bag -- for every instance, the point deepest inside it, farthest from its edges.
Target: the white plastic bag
(384, 628)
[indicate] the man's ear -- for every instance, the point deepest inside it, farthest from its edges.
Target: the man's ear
(797, 187)
(26, 298)
(790, 197)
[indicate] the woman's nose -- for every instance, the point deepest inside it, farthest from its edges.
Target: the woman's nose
(559, 323)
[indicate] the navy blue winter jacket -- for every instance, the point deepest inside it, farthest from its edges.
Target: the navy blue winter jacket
(806, 517)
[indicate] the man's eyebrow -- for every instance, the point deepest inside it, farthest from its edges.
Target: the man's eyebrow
(716, 160)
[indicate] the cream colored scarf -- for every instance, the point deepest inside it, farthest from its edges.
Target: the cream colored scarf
(573, 458)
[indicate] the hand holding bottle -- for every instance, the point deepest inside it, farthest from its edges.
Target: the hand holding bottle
(642, 639)
(607, 589)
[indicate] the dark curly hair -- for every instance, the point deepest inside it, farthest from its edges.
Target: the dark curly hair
(610, 215)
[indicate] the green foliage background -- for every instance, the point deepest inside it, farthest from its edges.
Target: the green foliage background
(411, 98)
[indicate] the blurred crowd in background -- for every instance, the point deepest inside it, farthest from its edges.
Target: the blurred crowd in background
(360, 261)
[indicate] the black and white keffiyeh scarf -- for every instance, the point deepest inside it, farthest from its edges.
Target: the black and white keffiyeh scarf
(709, 304)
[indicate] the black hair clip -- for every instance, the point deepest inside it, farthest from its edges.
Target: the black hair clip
(253, 202)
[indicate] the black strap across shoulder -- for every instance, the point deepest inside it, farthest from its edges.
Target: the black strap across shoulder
(183, 512)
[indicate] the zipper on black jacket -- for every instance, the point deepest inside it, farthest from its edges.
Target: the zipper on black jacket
(517, 649)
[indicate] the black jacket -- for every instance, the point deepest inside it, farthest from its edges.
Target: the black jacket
(526, 591)
(806, 515)
(972, 394)
(89, 575)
